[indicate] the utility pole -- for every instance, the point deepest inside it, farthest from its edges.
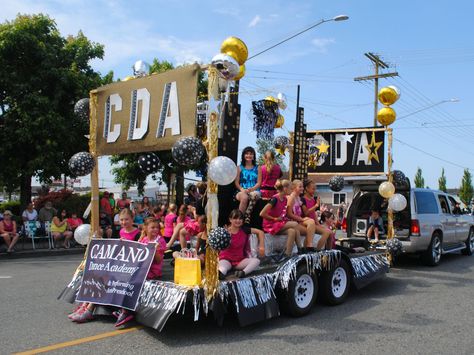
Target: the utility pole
(378, 63)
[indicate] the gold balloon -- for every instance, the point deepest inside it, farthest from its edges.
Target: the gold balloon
(272, 99)
(280, 121)
(386, 116)
(388, 95)
(236, 48)
(386, 189)
(241, 73)
(127, 78)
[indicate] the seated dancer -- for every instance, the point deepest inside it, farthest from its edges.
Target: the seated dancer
(271, 172)
(275, 220)
(248, 182)
(237, 255)
(187, 229)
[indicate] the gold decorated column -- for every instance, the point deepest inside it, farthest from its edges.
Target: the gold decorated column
(95, 171)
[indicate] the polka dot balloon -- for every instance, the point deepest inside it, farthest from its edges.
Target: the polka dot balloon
(187, 151)
(81, 109)
(336, 183)
(149, 163)
(219, 238)
(81, 164)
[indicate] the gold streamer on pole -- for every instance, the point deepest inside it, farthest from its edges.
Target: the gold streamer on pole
(211, 279)
(390, 231)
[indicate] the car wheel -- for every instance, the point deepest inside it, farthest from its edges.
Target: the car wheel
(432, 256)
(335, 284)
(469, 243)
(301, 294)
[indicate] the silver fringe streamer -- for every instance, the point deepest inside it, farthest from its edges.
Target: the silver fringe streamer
(365, 265)
(323, 260)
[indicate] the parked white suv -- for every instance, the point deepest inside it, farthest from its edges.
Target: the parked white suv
(429, 225)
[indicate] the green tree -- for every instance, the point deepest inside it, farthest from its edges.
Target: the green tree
(442, 181)
(262, 147)
(42, 75)
(466, 189)
(126, 170)
(419, 180)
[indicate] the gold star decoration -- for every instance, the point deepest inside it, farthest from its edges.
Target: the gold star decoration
(373, 148)
(323, 148)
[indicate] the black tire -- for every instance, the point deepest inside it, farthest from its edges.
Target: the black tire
(335, 284)
(298, 300)
(469, 243)
(432, 256)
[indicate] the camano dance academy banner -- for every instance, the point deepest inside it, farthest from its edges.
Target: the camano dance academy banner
(148, 113)
(115, 271)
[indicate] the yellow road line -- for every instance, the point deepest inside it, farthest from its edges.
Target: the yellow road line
(80, 341)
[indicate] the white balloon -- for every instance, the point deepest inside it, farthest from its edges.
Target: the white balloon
(222, 170)
(226, 65)
(397, 202)
(282, 102)
(81, 234)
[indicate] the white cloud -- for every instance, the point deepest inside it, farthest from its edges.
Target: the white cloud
(322, 44)
(255, 21)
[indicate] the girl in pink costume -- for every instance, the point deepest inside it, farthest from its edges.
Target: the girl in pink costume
(237, 255)
(275, 220)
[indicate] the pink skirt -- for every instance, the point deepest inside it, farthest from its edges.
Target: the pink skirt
(273, 227)
(192, 227)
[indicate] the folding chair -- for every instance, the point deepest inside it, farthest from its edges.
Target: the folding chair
(31, 231)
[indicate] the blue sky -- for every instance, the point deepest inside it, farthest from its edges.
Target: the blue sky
(429, 44)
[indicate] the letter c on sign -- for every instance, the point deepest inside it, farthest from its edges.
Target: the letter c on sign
(111, 135)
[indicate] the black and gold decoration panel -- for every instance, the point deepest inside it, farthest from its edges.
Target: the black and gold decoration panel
(351, 150)
(300, 148)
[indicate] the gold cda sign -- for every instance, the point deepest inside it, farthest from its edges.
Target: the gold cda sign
(148, 113)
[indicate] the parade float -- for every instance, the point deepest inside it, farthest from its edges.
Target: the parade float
(158, 112)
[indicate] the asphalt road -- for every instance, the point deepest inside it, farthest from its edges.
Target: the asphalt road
(414, 310)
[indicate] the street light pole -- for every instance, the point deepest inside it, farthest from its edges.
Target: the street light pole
(336, 18)
(428, 107)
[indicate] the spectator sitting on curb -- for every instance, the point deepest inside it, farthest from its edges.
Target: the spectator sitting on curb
(59, 229)
(105, 224)
(29, 214)
(46, 213)
(8, 231)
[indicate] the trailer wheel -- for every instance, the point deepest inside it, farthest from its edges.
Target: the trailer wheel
(335, 284)
(301, 294)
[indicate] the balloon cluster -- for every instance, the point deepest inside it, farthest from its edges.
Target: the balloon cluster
(219, 239)
(317, 150)
(281, 144)
(187, 151)
(387, 96)
(336, 183)
(149, 163)
(230, 61)
(396, 201)
(81, 164)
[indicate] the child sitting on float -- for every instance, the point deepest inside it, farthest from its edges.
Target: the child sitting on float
(375, 225)
(185, 230)
(128, 230)
(237, 255)
(170, 222)
(275, 220)
(328, 221)
(306, 225)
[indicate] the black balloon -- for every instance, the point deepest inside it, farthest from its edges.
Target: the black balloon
(81, 109)
(336, 183)
(281, 142)
(149, 163)
(187, 151)
(399, 178)
(394, 246)
(81, 164)
(219, 238)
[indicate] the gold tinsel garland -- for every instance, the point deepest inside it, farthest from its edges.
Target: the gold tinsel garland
(390, 231)
(211, 278)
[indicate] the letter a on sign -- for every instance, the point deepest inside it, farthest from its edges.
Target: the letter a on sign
(111, 135)
(139, 125)
(169, 116)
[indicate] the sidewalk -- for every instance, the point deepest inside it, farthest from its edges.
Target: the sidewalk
(25, 250)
